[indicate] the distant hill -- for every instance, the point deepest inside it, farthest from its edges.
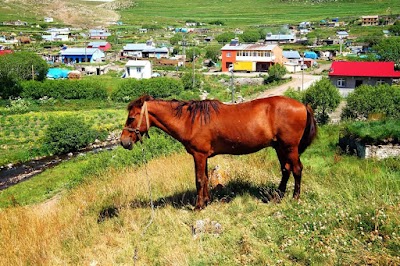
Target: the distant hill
(233, 13)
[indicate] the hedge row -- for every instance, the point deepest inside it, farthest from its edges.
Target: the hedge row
(64, 89)
(131, 89)
(366, 101)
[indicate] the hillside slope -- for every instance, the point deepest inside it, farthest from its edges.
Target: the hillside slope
(76, 13)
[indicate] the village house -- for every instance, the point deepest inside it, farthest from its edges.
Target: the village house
(104, 46)
(292, 61)
(138, 69)
(280, 38)
(99, 34)
(369, 20)
(348, 75)
(80, 55)
(144, 50)
(250, 57)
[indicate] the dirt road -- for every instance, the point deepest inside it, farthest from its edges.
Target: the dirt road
(298, 82)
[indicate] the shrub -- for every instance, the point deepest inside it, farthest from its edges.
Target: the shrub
(131, 89)
(363, 102)
(324, 98)
(294, 94)
(187, 80)
(276, 72)
(64, 89)
(68, 134)
(17, 67)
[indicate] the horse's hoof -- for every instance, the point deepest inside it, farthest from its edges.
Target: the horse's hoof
(277, 196)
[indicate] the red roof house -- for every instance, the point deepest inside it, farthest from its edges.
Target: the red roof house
(3, 52)
(104, 46)
(348, 75)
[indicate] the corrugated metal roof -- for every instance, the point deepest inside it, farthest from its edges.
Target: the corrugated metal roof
(135, 46)
(79, 51)
(97, 44)
(140, 63)
(291, 54)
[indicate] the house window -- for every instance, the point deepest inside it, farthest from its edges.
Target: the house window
(380, 82)
(139, 70)
(341, 83)
(228, 54)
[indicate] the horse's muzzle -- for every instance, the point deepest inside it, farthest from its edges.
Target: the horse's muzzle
(127, 143)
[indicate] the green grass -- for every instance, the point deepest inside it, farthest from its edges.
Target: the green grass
(374, 131)
(252, 13)
(347, 215)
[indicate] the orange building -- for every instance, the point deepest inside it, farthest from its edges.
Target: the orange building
(250, 57)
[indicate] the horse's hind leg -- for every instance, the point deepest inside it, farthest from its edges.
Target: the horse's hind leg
(285, 169)
(297, 168)
(200, 163)
(290, 162)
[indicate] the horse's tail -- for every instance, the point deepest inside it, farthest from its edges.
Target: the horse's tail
(310, 131)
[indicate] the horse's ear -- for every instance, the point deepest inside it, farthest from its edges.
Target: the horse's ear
(144, 99)
(147, 98)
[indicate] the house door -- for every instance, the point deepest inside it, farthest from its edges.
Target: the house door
(359, 82)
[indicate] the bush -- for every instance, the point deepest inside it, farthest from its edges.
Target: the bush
(294, 94)
(64, 89)
(374, 132)
(363, 102)
(17, 67)
(276, 72)
(324, 98)
(187, 80)
(131, 89)
(68, 134)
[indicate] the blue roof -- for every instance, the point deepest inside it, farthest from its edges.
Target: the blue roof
(80, 51)
(291, 54)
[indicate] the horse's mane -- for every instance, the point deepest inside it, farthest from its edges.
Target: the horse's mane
(139, 102)
(203, 108)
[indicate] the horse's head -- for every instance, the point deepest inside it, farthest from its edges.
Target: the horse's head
(137, 123)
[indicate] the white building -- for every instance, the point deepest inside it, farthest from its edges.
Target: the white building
(138, 69)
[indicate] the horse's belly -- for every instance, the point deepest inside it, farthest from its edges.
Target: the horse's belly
(240, 147)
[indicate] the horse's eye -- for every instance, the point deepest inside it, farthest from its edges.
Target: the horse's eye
(131, 119)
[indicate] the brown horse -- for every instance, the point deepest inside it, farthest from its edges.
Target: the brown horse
(207, 128)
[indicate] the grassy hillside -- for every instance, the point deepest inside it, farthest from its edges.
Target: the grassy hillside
(348, 215)
(236, 13)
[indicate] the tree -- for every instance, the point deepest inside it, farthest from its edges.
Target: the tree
(192, 53)
(188, 78)
(250, 36)
(389, 49)
(17, 67)
(176, 38)
(324, 98)
(225, 37)
(213, 52)
(395, 29)
(276, 72)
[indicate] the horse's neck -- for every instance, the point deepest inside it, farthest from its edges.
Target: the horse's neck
(162, 115)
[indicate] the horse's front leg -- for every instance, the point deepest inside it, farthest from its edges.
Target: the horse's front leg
(200, 164)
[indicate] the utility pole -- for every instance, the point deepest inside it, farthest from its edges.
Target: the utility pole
(232, 86)
(194, 67)
(302, 73)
